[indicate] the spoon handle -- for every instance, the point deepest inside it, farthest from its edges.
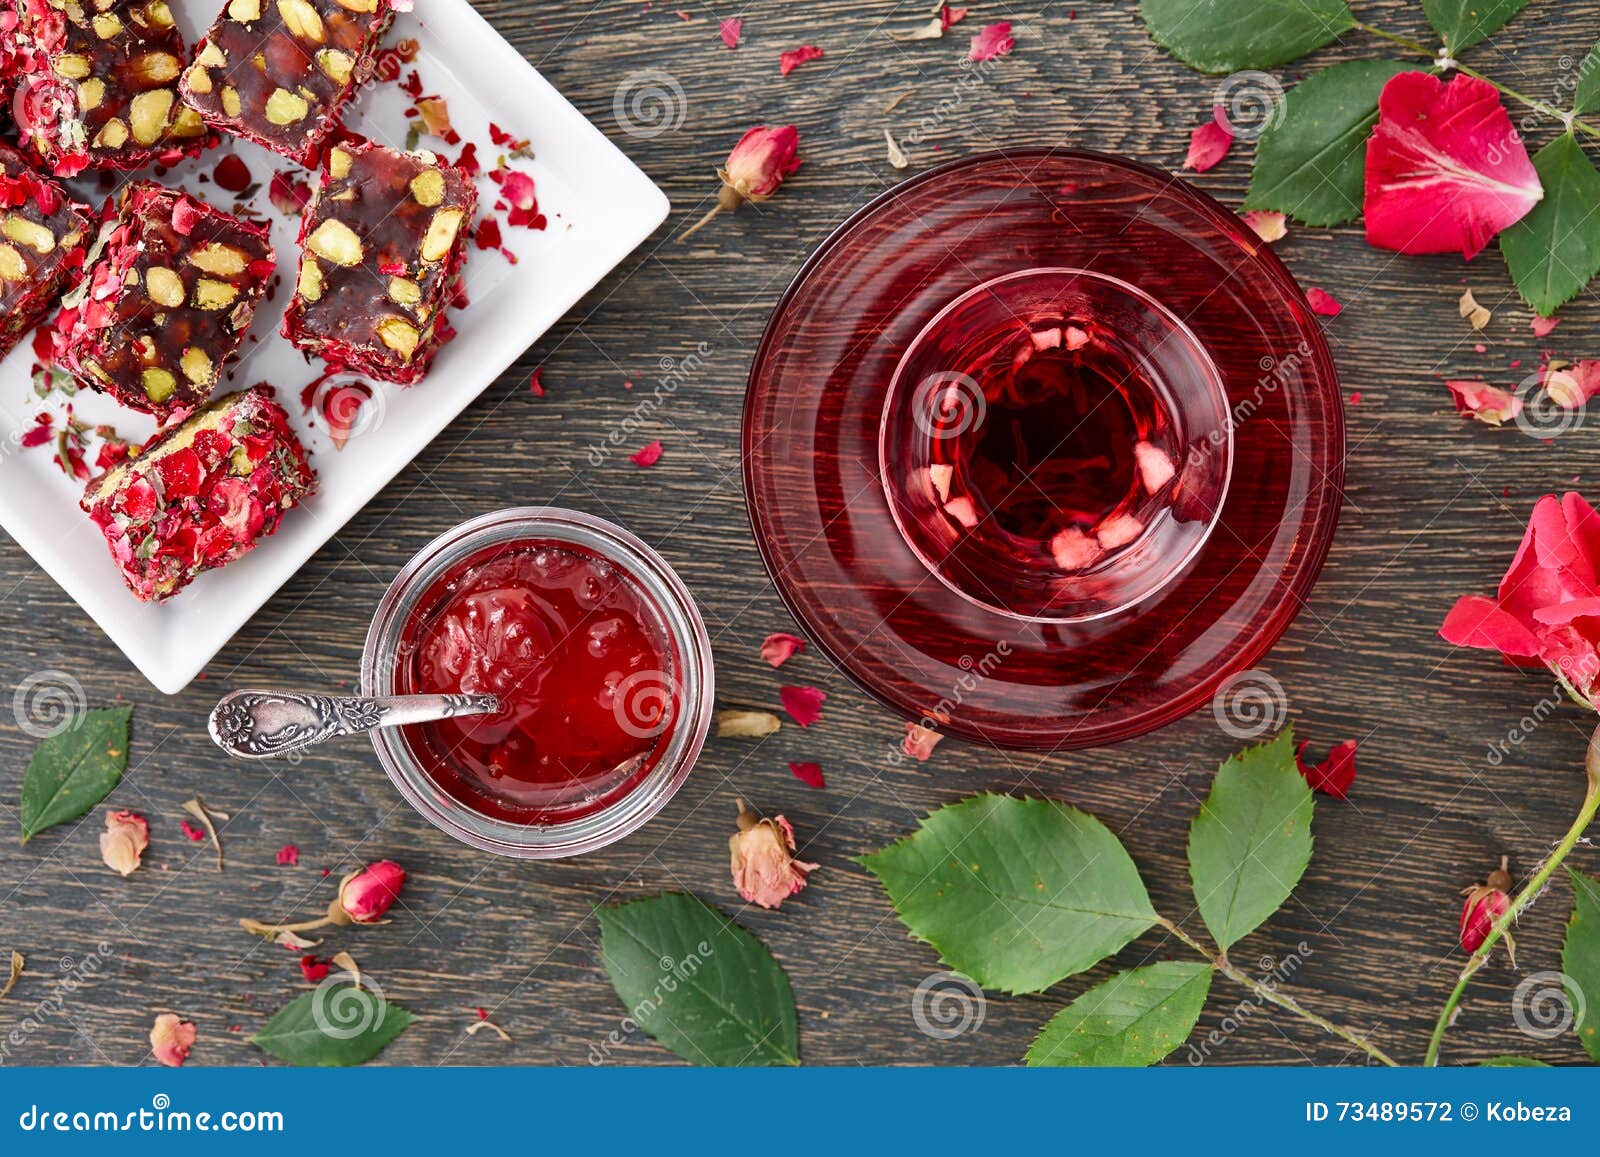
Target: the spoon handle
(256, 724)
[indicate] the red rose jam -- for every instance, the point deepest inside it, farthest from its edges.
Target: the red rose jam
(583, 665)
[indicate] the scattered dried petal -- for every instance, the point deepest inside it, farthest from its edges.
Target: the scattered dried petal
(730, 29)
(1542, 326)
(535, 385)
(483, 1023)
(1323, 302)
(315, 971)
(897, 156)
(123, 842)
(992, 41)
(171, 1038)
(804, 704)
(920, 741)
(646, 456)
(1268, 225)
(197, 808)
(809, 774)
(1209, 143)
(1571, 386)
(17, 963)
(344, 962)
(779, 648)
(1488, 404)
(794, 58)
(1476, 316)
(289, 854)
(746, 724)
(1334, 775)
(761, 853)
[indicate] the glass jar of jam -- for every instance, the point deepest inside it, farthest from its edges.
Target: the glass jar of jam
(597, 654)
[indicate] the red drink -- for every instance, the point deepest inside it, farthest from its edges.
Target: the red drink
(583, 666)
(1055, 445)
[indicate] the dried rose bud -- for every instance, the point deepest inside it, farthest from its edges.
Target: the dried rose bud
(756, 167)
(123, 842)
(1485, 903)
(762, 852)
(365, 896)
(171, 1038)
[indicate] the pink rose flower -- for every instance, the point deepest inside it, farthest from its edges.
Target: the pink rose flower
(1547, 610)
(762, 853)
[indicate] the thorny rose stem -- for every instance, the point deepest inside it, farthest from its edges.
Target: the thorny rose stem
(1530, 891)
(1222, 964)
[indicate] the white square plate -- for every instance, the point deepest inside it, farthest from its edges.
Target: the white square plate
(599, 207)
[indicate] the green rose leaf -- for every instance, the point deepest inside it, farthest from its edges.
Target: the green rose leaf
(1554, 251)
(1134, 1019)
(1251, 840)
(1586, 93)
(1015, 893)
(1463, 23)
(1312, 159)
(74, 769)
(332, 1025)
(1580, 959)
(1230, 35)
(1513, 1063)
(699, 983)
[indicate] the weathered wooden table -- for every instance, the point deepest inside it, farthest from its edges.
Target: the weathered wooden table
(1434, 509)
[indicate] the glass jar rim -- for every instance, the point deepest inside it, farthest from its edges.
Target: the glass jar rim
(684, 740)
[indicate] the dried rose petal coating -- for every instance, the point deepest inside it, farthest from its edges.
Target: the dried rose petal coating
(172, 286)
(382, 245)
(278, 72)
(97, 82)
(201, 494)
(42, 240)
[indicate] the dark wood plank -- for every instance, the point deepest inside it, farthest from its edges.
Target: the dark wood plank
(1435, 507)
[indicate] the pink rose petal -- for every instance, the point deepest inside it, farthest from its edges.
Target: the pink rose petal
(1334, 775)
(1268, 226)
(794, 58)
(289, 854)
(730, 31)
(778, 649)
(1209, 143)
(992, 41)
(804, 704)
(920, 741)
(809, 774)
(1323, 302)
(1445, 168)
(1488, 404)
(1543, 325)
(646, 456)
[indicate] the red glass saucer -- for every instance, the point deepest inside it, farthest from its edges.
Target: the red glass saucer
(816, 406)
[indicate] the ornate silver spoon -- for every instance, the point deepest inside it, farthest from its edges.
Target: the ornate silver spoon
(254, 724)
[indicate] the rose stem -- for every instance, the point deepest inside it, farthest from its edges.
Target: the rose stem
(1537, 105)
(1223, 965)
(1529, 892)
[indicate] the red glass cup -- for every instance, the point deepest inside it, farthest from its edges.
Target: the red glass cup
(1056, 445)
(668, 710)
